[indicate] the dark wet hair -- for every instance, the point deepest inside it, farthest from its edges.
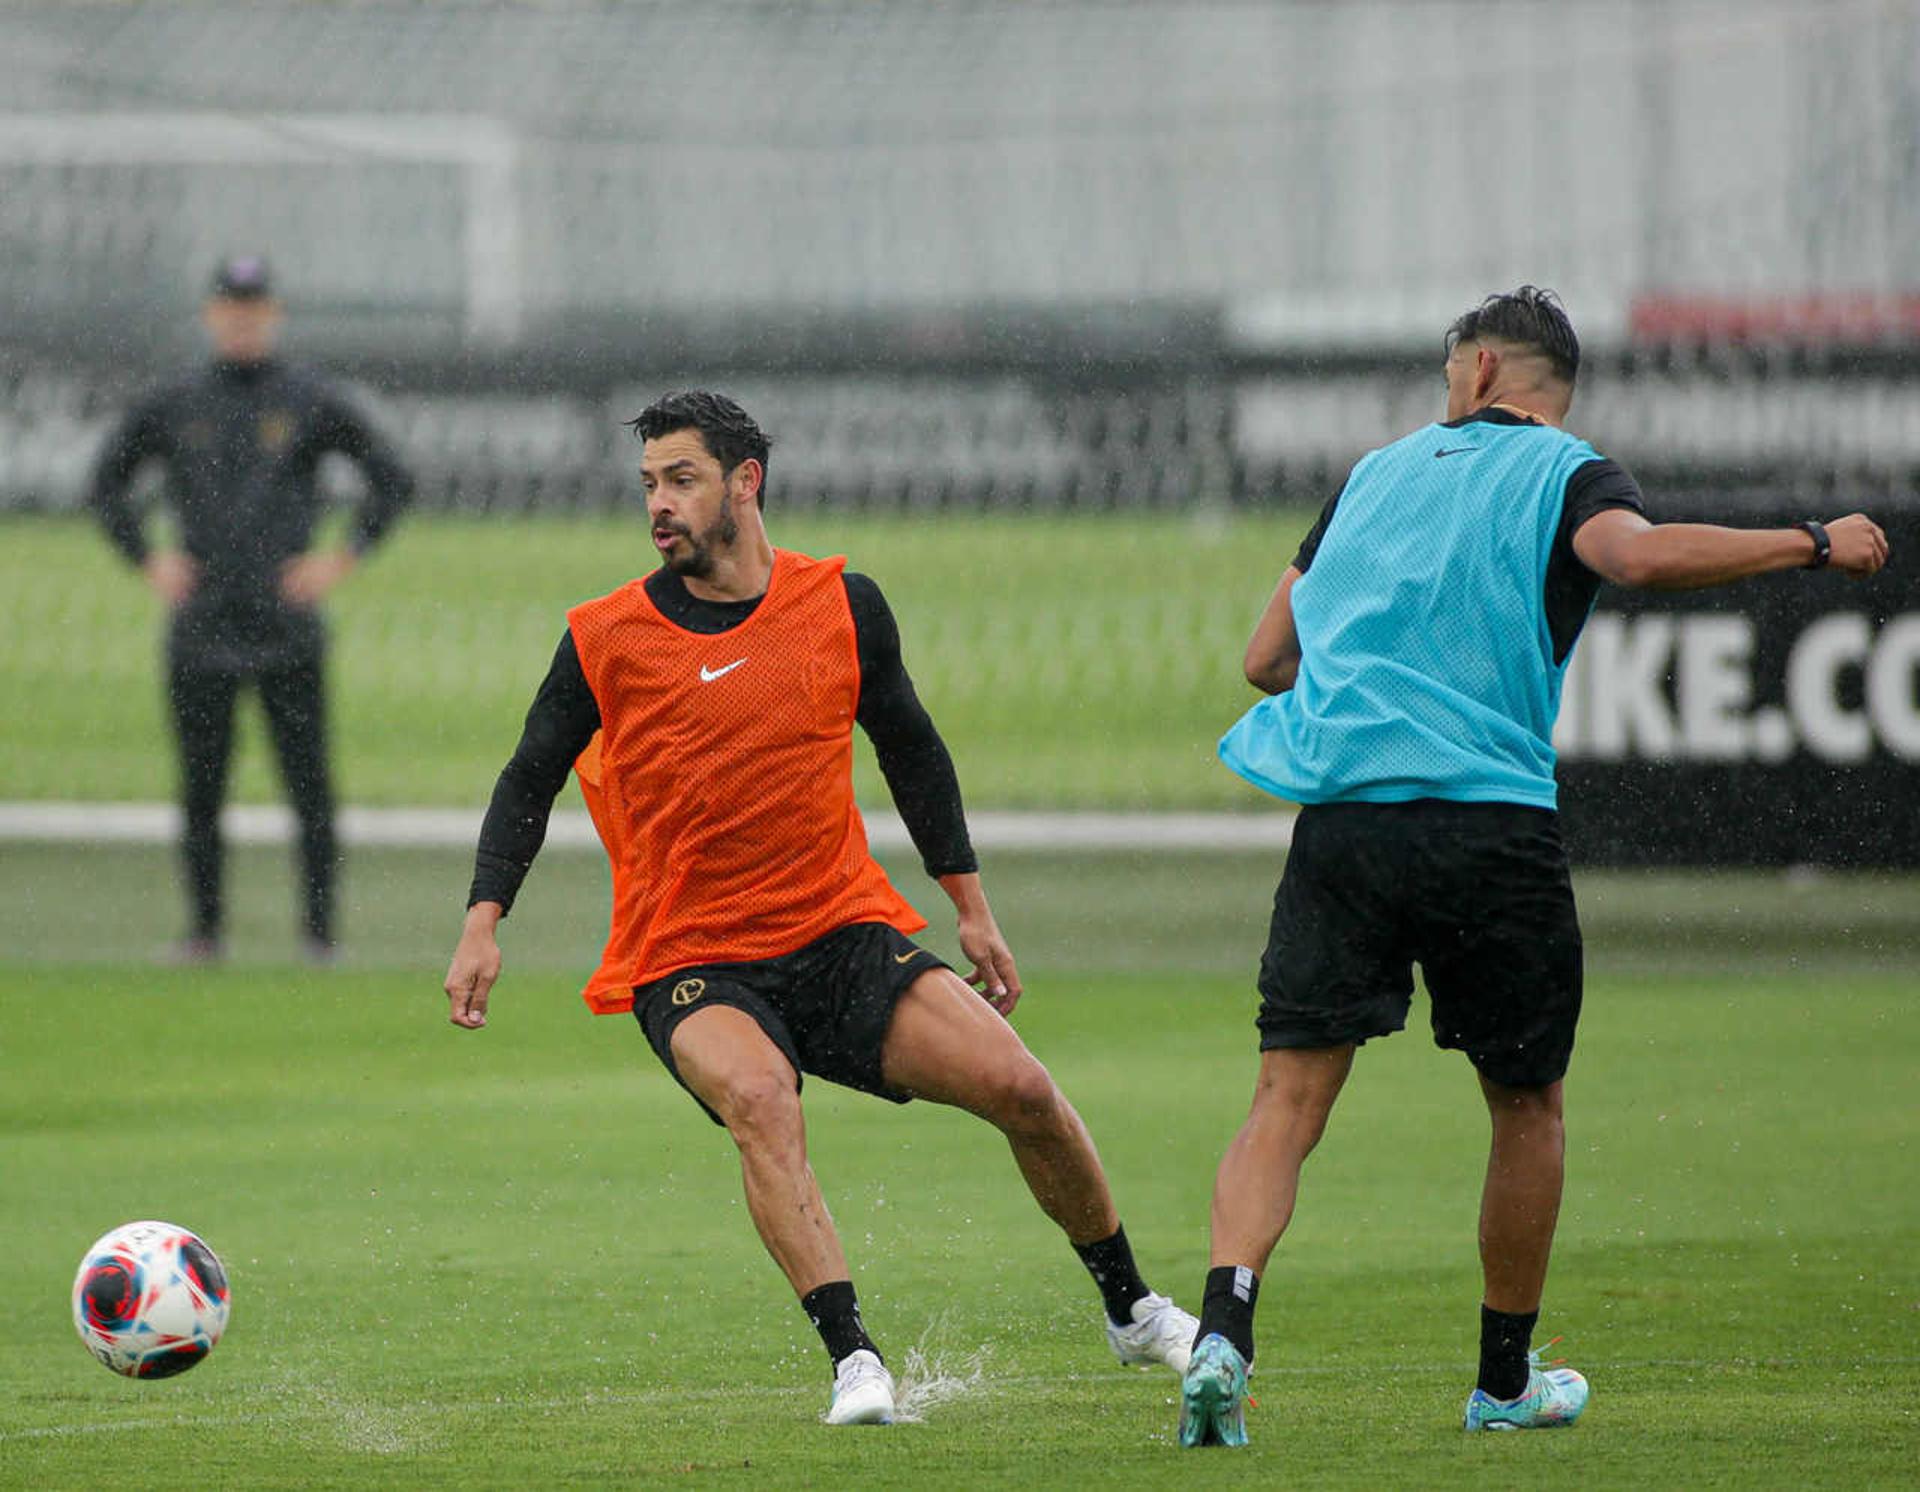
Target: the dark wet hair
(1528, 317)
(729, 432)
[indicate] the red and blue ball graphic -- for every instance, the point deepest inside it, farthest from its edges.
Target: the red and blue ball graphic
(150, 1300)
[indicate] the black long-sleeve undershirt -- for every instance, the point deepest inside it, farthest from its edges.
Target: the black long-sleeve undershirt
(564, 715)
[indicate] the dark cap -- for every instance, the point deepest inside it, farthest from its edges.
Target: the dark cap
(242, 277)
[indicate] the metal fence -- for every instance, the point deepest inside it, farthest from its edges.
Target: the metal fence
(1060, 438)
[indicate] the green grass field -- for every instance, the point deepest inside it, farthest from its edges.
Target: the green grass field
(518, 1258)
(1052, 691)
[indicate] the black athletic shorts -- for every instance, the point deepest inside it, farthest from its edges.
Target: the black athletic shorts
(827, 1005)
(1476, 893)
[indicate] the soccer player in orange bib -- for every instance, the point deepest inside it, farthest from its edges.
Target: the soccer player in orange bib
(709, 710)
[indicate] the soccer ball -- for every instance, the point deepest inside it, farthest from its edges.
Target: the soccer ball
(150, 1300)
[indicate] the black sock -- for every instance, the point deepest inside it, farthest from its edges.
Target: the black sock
(1110, 1262)
(834, 1311)
(1504, 1341)
(1227, 1307)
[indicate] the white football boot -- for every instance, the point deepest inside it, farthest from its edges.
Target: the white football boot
(862, 1391)
(1161, 1332)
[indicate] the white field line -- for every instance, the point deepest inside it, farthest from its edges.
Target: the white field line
(159, 823)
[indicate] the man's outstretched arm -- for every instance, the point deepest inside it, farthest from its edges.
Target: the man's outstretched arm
(926, 790)
(993, 974)
(560, 723)
(1623, 547)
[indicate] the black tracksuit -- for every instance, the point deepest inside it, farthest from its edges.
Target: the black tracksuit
(240, 446)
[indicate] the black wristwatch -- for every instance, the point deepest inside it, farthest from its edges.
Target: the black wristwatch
(1822, 545)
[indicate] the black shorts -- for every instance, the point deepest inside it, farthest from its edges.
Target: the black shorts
(1476, 893)
(827, 1005)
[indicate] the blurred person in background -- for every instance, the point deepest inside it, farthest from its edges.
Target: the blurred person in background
(1413, 654)
(239, 443)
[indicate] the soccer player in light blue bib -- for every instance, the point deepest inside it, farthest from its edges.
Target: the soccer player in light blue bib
(1412, 656)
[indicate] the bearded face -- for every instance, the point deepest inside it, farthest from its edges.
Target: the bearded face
(695, 557)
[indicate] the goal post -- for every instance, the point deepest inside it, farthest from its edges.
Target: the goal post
(479, 155)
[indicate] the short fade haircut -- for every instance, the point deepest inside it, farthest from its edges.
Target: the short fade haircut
(1528, 317)
(730, 434)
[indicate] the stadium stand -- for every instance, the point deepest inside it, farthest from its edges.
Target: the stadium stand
(1036, 256)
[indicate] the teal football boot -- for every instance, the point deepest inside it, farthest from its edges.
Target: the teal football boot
(1553, 1399)
(1213, 1395)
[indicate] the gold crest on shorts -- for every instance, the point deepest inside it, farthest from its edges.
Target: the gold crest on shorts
(689, 990)
(276, 431)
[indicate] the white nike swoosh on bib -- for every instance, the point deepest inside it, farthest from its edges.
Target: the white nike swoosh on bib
(708, 675)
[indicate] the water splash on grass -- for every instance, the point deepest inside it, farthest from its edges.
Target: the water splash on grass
(934, 1372)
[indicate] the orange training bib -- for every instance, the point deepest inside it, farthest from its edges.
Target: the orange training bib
(721, 781)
